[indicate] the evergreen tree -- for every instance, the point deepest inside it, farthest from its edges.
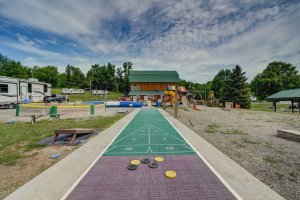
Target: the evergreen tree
(218, 83)
(236, 88)
(127, 66)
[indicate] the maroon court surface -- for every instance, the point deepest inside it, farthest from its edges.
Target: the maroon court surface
(110, 179)
(149, 134)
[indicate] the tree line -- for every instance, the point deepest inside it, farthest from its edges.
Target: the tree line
(105, 77)
(232, 85)
(228, 85)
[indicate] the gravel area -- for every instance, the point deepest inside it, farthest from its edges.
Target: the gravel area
(249, 138)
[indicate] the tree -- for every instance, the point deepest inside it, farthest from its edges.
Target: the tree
(277, 76)
(217, 84)
(127, 66)
(119, 79)
(62, 80)
(13, 68)
(236, 88)
(74, 77)
(48, 74)
(102, 77)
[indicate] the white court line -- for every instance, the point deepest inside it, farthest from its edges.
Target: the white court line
(90, 167)
(130, 134)
(188, 147)
(149, 137)
(110, 149)
(207, 163)
(178, 152)
(125, 145)
(170, 134)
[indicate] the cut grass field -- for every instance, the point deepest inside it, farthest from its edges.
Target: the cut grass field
(268, 107)
(87, 96)
(16, 139)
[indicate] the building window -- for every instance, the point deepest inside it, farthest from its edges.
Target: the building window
(135, 88)
(29, 88)
(3, 88)
(45, 88)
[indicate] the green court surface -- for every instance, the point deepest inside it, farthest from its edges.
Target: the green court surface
(149, 133)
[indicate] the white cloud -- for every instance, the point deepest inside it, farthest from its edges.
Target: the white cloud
(197, 38)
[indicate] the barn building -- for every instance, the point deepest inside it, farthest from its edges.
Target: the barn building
(151, 85)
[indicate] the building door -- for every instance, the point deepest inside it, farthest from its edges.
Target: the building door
(23, 92)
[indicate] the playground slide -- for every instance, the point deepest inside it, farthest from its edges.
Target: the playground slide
(170, 93)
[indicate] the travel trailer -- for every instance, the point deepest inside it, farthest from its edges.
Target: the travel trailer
(72, 91)
(99, 92)
(14, 91)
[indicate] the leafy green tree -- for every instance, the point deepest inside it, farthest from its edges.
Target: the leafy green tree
(74, 77)
(183, 83)
(119, 79)
(127, 66)
(13, 68)
(277, 76)
(48, 74)
(62, 80)
(236, 88)
(102, 77)
(217, 84)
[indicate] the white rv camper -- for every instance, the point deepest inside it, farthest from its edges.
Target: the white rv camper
(72, 91)
(9, 92)
(14, 91)
(99, 92)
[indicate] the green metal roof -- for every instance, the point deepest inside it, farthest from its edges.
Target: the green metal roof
(136, 93)
(154, 76)
(286, 95)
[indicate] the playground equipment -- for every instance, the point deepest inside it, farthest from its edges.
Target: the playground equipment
(212, 101)
(170, 97)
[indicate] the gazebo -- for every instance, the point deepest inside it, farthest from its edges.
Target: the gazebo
(292, 95)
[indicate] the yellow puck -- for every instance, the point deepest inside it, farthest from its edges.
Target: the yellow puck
(159, 159)
(170, 174)
(135, 162)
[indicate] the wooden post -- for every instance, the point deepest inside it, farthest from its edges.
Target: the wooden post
(299, 106)
(274, 105)
(176, 100)
(292, 105)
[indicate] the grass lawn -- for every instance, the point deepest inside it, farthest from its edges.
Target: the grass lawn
(16, 139)
(268, 107)
(87, 96)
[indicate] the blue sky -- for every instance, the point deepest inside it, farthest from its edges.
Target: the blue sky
(196, 38)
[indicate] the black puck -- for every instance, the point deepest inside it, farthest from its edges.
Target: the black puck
(145, 161)
(132, 167)
(153, 165)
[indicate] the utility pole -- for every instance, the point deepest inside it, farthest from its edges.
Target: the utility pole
(176, 100)
(91, 86)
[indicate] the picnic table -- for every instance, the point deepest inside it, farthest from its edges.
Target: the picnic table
(74, 132)
(36, 116)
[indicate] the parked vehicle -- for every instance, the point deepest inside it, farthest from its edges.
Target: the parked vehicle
(14, 91)
(56, 97)
(72, 91)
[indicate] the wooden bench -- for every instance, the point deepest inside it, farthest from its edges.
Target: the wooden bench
(74, 132)
(289, 134)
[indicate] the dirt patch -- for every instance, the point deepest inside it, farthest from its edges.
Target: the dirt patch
(18, 173)
(249, 138)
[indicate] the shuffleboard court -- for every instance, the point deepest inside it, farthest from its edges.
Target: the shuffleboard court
(149, 134)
